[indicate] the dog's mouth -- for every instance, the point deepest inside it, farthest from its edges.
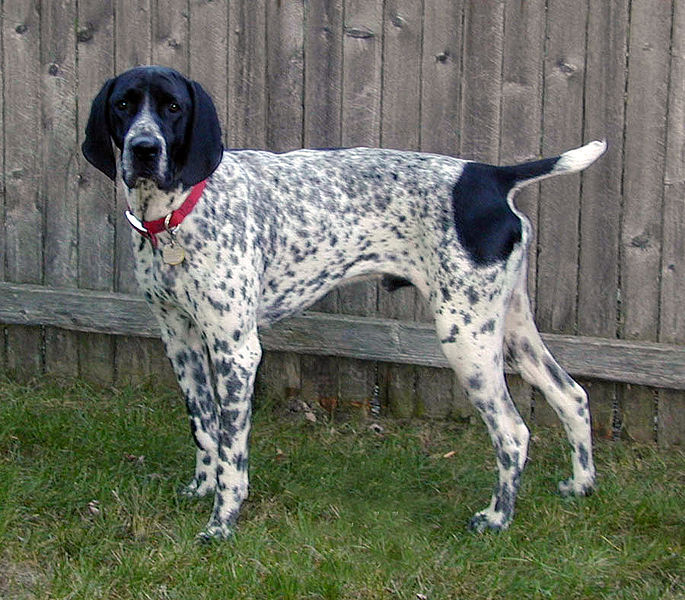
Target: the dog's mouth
(141, 176)
(136, 172)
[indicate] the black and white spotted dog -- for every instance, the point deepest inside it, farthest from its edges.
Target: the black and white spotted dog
(233, 240)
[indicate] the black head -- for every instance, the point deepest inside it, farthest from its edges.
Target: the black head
(164, 125)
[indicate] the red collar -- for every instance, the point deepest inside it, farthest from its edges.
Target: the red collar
(150, 229)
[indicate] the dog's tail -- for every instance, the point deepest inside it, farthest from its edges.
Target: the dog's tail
(572, 161)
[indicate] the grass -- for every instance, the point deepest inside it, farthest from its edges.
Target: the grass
(89, 509)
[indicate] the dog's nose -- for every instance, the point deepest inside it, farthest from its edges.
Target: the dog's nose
(145, 147)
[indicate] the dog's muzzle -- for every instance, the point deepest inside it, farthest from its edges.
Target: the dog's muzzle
(144, 157)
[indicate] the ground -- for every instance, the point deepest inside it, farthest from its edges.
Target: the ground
(338, 510)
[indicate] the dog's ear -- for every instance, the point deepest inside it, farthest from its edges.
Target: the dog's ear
(203, 147)
(97, 147)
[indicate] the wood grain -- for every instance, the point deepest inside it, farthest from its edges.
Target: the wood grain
(97, 205)
(59, 186)
(361, 338)
(23, 202)
(671, 405)
(643, 177)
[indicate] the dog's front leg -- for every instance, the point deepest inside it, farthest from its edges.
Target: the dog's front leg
(189, 358)
(234, 365)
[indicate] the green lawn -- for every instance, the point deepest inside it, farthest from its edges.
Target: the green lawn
(89, 509)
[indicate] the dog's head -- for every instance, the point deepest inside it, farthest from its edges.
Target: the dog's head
(164, 125)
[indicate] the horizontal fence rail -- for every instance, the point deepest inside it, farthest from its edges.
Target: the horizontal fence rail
(322, 334)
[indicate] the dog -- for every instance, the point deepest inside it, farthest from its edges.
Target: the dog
(229, 241)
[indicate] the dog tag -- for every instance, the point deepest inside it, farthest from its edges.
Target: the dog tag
(173, 254)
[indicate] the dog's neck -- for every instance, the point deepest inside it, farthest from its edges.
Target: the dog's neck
(147, 202)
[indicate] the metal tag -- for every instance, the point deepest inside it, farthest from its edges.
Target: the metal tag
(173, 254)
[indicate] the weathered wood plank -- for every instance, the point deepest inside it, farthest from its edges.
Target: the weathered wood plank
(3, 234)
(483, 46)
(643, 177)
(247, 106)
(559, 199)
(441, 76)
(59, 186)
(601, 199)
(671, 405)
(96, 195)
(402, 40)
(23, 203)
(285, 75)
(208, 62)
(364, 338)
(323, 73)
(170, 32)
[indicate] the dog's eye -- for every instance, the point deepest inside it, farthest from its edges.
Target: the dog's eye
(174, 107)
(122, 105)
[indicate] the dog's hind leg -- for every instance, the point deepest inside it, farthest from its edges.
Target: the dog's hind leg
(474, 351)
(527, 354)
(188, 355)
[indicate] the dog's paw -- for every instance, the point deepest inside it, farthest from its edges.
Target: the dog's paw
(195, 489)
(571, 487)
(488, 519)
(215, 532)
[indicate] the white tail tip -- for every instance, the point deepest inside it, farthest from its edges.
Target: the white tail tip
(580, 158)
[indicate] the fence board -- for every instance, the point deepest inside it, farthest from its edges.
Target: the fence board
(482, 80)
(563, 116)
(323, 73)
(208, 45)
(364, 338)
(97, 214)
(3, 232)
(247, 105)
(441, 76)
(23, 206)
(641, 236)
(60, 170)
(170, 33)
(600, 202)
(671, 407)
(285, 75)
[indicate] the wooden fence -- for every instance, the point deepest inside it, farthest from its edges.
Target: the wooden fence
(501, 81)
